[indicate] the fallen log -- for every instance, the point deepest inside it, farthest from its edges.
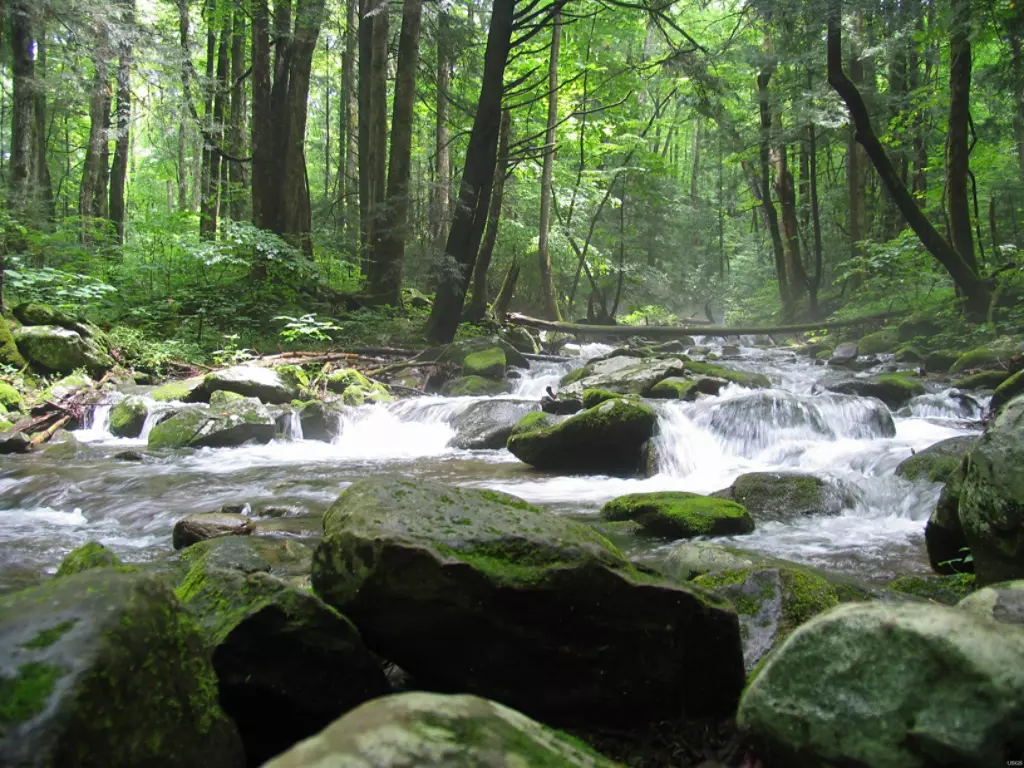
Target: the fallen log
(675, 332)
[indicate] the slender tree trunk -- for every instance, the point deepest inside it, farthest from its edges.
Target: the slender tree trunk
(958, 160)
(477, 178)
(695, 165)
(814, 284)
(771, 217)
(442, 156)
(119, 169)
(215, 128)
(263, 202)
(385, 278)
(93, 171)
(237, 176)
(347, 138)
(1014, 32)
(478, 305)
(207, 178)
(856, 172)
(785, 190)
(548, 294)
(507, 290)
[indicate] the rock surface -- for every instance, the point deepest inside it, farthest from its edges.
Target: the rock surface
(209, 525)
(128, 417)
(944, 536)
(937, 462)
(487, 425)
(1003, 602)
(895, 390)
(233, 424)
(785, 495)
(61, 350)
(679, 515)
(265, 384)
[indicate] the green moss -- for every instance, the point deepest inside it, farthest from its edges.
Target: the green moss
(339, 381)
(982, 357)
(294, 375)
(1006, 391)
(902, 382)
(674, 388)
(9, 354)
(948, 590)
(941, 360)
(90, 555)
(877, 343)
(593, 397)
(48, 637)
(982, 380)
(532, 421)
(472, 386)
(909, 355)
(679, 514)
(5, 425)
(743, 378)
(25, 696)
(176, 390)
(222, 397)
(509, 501)
(489, 363)
(573, 376)
(804, 596)
(10, 399)
(824, 354)
(513, 562)
(128, 417)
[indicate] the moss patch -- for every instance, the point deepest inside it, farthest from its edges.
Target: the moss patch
(877, 343)
(90, 555)
(48, 637)
(10, 399)
(677, 514)
(9, 354)
(25, 696)
(593, 396)
(674, 388)
(489, 363)
(472, 386)
(982, 380)
(176, 390)
(948, 590)
(743, 378)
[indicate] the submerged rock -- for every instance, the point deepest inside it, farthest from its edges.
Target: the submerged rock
(895, 390)
(205, 427)
(937, 462)
(487, 425)
(286, 558)
(480, 591)
(105, 668)
(209, 525)
(680, 515)
(472, 386)
(609, 437)
(785, 495)
(432, 730)
(265, 384)
(900, 686)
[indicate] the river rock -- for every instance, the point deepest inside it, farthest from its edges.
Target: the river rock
(9, 354)
(689, 559)
(594, 397)
(844, 353)
(770, 603)
(936, 462)
(998, 352)
(948, 590)
(623, 374)
(877, 343)
(265, 384)
(785, 495)
(61, 350)
(319, 420)
(680, 515)
(742, 378)
(431, 730)
(287, 664)
(487, 424)
(1006, 391)
(890, 686)
(90, 555)
(895, 390)
(105, 668)
(356, 389)
(1000, 602)
(674, 388)
(284, 557)
(14, 442)
(610, 438)
(992, 498)
(489, 363)
(209, 525)
(177, 390)
(128, 417)
(205, 427)
(479, 591)
(472, 386)
(943, 534)
(458, 351)
(520, 338)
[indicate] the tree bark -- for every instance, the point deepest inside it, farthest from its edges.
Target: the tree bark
(442, 154)
(548, 294)
(958, 160)
(478, 305)
(770, 215)
(215, 127)
(385, 278)
(348, 138)
(237, 176)
(90, 189)
(477, 178)
(119, 169)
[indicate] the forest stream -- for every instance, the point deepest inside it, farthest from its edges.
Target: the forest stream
(84, 489)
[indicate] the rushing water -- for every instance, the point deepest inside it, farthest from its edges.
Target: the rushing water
(89, 489)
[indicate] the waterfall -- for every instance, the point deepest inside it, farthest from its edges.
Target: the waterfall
(293, 425)
(96, 425)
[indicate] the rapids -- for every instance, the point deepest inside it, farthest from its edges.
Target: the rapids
(89, 489)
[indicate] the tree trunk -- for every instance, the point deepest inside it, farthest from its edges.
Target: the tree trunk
(856, 173)
(119, 169)
(478, 305)
(237, 176)
(976, 291)
(207, 179)
(348, 139)
(385, 278)
(477, 178)
(215, 128)
(548, 294)
(93, 170)
(507, 290)
(24, 191)
(1014, 32)
(958, 160)
(814, 284)
(442, 156)
(771, 217)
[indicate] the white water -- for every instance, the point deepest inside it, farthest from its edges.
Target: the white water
(47, 507)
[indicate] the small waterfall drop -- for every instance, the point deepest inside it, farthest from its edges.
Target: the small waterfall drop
(96, 425)
(293, 425)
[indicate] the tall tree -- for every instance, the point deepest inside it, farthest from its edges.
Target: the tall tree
(478, 305)
(549, 296)
(958, 160)
(237, 175)
(442, 135)
(119, 168)
(91, 202)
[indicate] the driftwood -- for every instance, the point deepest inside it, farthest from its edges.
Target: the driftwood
(675, 332)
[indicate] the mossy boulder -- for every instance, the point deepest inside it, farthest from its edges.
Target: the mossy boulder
(948, 590)
(287, 664)
(992, 498)
(609, 437)
(61, 350)
(1002, 602)
(937, 462)
(786, 495)
(771, 603)
(488, 424)
(105, 668)
(209, 525)
(917, 326)
(982, 380)
(521, 339)
(472, 386)
(432, 730)
(941, 360)
(34, 313)
(223, 397)
(625, 374)
(675, 388)
(356, 389)
(525, 606)
(265, 384)
(1006, 391)
(990, 355)
(10, 398)
(128, 417)
(9, 354)
(489, 363)
(890, 686)
(594, 397)
(680, 515)
(943, 534)
(319, 420)
(877, 343)
(844, 354)
(85, 557)
(458, 351)
(206, 427)
(742, 378)
(909, 355)
(282, 556)
(895, 390)
(179, 390)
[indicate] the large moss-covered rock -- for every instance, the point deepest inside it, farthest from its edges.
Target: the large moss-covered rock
(672, 388)
(209, 525)
(285, 557)
(479, 591)
(771, 603)
(287, 664)
(877, 343)
(1006, 391)
(680, 515)
(90, 555)
(105, 668)
(180, 390)
(356, 389)
(992, 498)
(948, 590)
(943, 534)
(430, 730)
(128, 417)
(10, 398)
(489, 363)
(609, 438)
(34, 313)
(895, 390)
(61, 350)
(9, 354)
(1002, 602)
(594, 397)
(890, 686)
(623, 374)
(982, 380)
(206, 427)
(937, 462)
(996, 353)
(319, 420)
(785, 495)
(917, 326)
(941, 360)
(265, 384)
(742, 378)
(472, 386)
(487, 424)
(458, 351)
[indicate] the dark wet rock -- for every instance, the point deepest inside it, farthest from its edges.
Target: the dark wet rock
(206, 427)
(287, 664)
(992, 498)
(1002, 602)
(319, 420)
(607, 438)
(431, 730)
(528, 607)
(129, 456)
(845, 353)
(679, 515)
(14, 442)
(474, 386)
(287, 558)
(895, 390)
(912, 685)
(265, 384)
(562, 406)
(1006, 391)
(785, 495)
(731, 350)
(943, 534)
(128, 417)
(948, 590)
(937, 462)
(209, 525)
(105, 668)
(486, 425)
